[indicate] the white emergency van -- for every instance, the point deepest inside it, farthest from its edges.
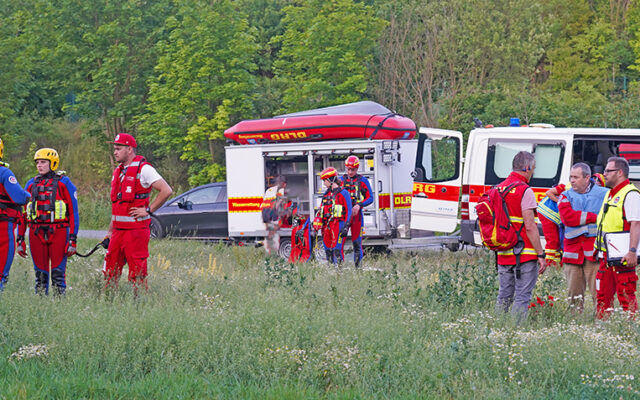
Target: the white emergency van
(447, 186)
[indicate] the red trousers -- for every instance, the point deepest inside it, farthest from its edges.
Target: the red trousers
(612, 280)
(130, 246)
(48, 245)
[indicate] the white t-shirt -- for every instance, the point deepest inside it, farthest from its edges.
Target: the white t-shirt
(632, 206)
(148, 175)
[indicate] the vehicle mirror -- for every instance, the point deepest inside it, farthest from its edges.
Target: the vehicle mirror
(185, 204)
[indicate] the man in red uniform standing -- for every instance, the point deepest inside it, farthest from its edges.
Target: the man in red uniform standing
(361, 196)
(12, 197)
(578, 208)
(517, 277)
(52, 217)
(129, 233)
(620, 212)
(333, 214)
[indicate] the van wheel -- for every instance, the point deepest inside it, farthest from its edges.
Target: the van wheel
(156, 229)
(284, 250)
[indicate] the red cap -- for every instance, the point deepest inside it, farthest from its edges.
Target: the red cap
(125, 139)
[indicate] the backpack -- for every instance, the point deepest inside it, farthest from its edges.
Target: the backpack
(496, 230)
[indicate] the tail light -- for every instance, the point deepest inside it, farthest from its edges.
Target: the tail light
(464, 203)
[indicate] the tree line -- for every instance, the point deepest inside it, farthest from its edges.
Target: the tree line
(177, 73)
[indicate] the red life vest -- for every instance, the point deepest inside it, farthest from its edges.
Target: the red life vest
(514, 205)
(352, 185)
(331, 207)
(127, 192)
(45, 206)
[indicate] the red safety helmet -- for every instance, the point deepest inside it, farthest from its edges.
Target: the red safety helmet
(329, 173)
(352, 162)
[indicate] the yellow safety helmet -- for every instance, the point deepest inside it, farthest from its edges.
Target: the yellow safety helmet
(48, 154)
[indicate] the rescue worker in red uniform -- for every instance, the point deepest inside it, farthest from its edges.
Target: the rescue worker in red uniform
(518, 274)
(52, 217)
(333, 215)
(361, 196)
(129, 233)
(578, 208)
(620, 212)
(12, 198)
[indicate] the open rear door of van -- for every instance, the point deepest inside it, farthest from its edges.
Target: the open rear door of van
(437, 180)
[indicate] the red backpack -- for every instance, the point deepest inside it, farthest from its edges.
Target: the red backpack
(496, 230)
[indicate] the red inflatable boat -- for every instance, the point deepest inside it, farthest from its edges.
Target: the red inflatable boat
(361, 120)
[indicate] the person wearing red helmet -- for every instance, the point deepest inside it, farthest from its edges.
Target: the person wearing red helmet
(361, 195)
(333, 215)
(131, 185)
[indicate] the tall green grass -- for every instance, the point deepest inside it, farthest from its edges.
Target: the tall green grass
(224, 322)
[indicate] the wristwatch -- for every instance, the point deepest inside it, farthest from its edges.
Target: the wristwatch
(541, 255)
(633, 250)
(148, 210)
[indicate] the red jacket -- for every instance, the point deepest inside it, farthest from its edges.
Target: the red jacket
(514, 205)
(575, 250)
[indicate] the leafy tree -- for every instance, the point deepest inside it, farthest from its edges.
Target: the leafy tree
(203, 82)
(326, 50)
(435, 54)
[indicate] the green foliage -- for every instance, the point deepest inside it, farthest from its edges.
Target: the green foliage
(202, 83)
(326, 49)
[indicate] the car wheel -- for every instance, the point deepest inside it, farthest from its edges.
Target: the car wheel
(284, 250)
(156, 229)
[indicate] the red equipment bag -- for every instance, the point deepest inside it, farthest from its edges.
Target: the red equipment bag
(496, 230)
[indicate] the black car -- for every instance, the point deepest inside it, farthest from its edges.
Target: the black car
(200, 213)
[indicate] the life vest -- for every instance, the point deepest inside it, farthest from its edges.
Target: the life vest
(611, 217)
(590, 201)
(514, 201)
(9, 210)
(45, 207)
(127, 192)
(329, 208)
(352, 186)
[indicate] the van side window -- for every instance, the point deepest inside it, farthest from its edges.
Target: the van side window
(549, 156)
(437, 160)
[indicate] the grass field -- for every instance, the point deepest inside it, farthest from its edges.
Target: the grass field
(223, 322)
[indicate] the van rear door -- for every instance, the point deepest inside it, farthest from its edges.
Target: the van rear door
(437, 179)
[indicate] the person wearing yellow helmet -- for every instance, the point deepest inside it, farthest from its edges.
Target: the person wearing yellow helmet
(12, 198)
(333, 215)
(53, 221)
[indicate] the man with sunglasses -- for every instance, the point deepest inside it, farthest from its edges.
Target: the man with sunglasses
(620, 212)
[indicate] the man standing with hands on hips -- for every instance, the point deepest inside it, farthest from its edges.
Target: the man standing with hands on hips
(620, 212)
(131, 185)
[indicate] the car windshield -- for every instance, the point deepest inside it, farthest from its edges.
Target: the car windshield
(202, 196)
